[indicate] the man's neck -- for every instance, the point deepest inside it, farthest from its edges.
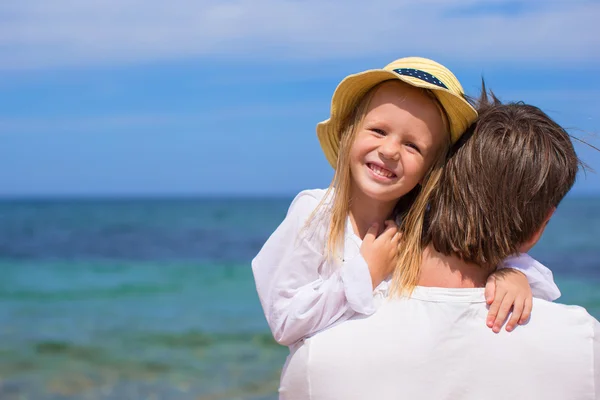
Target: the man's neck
(439, 270)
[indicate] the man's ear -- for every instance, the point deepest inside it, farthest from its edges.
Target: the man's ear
(528, 245)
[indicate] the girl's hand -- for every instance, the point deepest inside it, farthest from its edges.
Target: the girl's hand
(380, 251)
(508, 289)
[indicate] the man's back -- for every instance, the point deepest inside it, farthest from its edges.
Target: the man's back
(436, 346)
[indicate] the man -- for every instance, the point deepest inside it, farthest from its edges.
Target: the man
(495, 196)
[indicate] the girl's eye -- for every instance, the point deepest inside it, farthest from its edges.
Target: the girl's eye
(414, 146)
(378, 131)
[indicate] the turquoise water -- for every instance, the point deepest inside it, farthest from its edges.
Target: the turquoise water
(115, 299)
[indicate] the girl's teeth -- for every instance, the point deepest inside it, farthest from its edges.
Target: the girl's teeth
(381, 172)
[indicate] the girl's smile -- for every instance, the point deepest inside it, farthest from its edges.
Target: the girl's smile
(381, 173)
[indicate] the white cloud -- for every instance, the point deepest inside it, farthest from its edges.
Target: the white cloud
(41, 33)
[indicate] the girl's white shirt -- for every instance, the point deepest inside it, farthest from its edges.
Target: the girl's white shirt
(303, 292)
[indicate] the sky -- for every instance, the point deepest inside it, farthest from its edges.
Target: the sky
(221, 97)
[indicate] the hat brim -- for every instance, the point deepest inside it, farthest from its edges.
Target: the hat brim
(354, 87)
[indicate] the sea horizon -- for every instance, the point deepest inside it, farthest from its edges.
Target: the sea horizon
(9, 198)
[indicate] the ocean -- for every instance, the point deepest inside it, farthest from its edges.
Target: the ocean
(154, 298)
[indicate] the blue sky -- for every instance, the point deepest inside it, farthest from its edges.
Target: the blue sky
(139, 98)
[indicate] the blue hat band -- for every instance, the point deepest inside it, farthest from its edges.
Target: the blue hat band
(422, 75)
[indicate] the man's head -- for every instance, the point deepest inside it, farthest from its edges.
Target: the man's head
(501, 183)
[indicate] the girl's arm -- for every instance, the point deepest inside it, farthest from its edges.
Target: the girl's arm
(539, 276)
(512, 287)
(300, 291)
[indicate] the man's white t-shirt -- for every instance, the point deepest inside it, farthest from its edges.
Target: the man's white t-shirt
(436, 345)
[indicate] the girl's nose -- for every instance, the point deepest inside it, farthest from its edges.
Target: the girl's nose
(390, 149)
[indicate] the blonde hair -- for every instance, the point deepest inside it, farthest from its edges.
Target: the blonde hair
(341, 184)
(408, 267)
(340, 187)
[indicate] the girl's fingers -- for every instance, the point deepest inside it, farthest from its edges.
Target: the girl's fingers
(495, 308)
(389, 232)
(371, 233)
(516, 314)
(507, 303)
(526, 311)
(490, 290)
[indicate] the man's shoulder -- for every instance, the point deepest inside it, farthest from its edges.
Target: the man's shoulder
(557, 307)
(559, 314)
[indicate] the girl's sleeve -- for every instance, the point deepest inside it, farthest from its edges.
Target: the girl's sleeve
(540, 277)
(299, 293)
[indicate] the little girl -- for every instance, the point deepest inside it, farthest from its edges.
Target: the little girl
(333, 254)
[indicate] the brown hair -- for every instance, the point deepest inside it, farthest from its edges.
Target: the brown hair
(500, 181)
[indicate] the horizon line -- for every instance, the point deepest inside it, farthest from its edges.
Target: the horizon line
(7, 198)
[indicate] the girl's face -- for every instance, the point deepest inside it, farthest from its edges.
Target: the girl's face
(396, 143)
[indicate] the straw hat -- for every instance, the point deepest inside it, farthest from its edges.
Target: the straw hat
(415, 71)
